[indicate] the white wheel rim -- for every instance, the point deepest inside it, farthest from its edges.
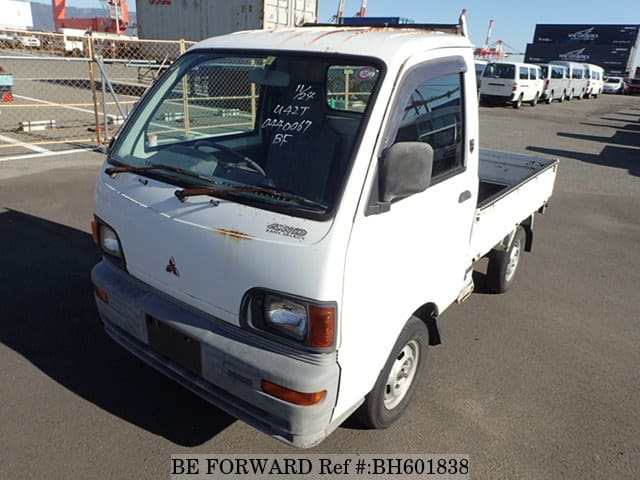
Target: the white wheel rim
(514, 258)
(401, 375)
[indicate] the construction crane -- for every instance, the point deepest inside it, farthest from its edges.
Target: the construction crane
(116, 21)
(495, 51)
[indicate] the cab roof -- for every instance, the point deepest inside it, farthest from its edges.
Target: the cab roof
(383, 42)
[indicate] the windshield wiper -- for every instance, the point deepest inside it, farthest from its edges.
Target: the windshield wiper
(155, 166)
(190, 192)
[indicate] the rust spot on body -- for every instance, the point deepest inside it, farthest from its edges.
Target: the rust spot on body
(234, 234)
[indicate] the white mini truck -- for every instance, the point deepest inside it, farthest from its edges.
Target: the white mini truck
(286, 213)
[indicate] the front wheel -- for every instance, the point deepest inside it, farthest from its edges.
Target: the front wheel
(503, 264)
(397, 381)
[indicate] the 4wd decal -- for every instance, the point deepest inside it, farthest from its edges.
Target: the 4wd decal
(287, 231)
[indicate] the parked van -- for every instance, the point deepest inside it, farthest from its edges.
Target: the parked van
(595, 80)
(512, 82)
(577, 76)
(556, 82)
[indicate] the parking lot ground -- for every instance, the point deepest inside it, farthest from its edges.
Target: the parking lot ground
(539, 383)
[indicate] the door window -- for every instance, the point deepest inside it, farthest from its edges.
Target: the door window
(433, 114)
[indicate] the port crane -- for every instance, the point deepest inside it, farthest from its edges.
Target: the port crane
(116, 20)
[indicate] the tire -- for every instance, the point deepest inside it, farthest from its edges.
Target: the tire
(518, 102)
(503, 265)
(562, 97)
(570, 96)
(534, 102)
(549, 98)
(397, 381)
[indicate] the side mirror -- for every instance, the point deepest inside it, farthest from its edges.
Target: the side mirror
(406, 169)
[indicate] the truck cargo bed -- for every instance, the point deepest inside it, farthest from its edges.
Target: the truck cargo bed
(512, 186)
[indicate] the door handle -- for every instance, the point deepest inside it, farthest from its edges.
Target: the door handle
(464, 196)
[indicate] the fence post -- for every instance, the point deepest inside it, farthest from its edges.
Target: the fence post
(185, 94)
(254, 106)
(94, 93)
(103, 85)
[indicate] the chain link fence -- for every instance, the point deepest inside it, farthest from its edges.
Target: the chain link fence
(60, 91)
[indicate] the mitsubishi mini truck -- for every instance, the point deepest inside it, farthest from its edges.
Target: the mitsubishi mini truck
(286, 214)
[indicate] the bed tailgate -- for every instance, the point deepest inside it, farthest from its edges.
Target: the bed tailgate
(528, 182)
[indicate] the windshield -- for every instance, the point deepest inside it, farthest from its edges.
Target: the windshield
(285, 125)
(500, 70)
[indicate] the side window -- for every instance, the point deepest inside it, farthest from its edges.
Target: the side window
(434, 115)
(524, 73)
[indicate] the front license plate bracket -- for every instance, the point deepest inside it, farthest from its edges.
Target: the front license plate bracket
(175, 345)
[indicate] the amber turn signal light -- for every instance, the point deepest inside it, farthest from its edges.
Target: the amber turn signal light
(291, 396)
(95, 231)
(322, 326)
(101, 293)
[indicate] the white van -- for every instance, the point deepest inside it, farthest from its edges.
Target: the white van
(556, 82)
(577, 76)
(512, 82)
(595, 80)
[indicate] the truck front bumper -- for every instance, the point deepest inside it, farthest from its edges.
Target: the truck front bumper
(232, 361)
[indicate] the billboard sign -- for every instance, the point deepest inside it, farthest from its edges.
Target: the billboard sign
(587, 34)
(610, 57)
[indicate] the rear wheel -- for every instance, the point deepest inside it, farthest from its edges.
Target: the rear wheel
(534, 102)
(518, 102)
(550, 97)
(562, 97)
(504, 264)
(397, 381)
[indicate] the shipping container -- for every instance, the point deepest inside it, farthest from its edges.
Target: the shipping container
(619, 35)
(612, 58)
(15, 14)
(197, 19)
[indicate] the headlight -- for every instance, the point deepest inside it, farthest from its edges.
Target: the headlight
(300, 320)
(286, 316)
(109, 241)
(105, 237)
